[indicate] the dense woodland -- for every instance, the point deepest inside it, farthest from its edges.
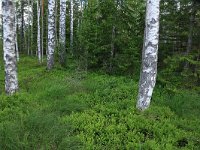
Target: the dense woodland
(100, 74)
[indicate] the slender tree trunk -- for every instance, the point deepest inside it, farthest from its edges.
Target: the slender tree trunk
(16, 31)
(38, 34)
(11, 82)
(22, 25)
(62, 34)
(150, 55)
(51, 34)
(32, 13)
(28, 38)
(42, 20)
(16, 42)
(56, 31)
(71, 24)
(112, 52)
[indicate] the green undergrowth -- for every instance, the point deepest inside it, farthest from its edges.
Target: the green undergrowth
(63, 109)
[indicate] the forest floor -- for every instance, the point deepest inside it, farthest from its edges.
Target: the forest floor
(65, 109)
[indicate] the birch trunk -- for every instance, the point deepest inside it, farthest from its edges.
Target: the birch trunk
(11, 82)
(38, 34)
(16, 43)
(51, 34)
(149, 55)
(71, 24)
(62, 30)
(42, 37)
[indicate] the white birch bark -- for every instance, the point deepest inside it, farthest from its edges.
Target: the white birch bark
(71, 24)
(16, 43)
(38, 34)
(42, 37)
(51, 34)
(62, 32)
(11, 82)
(149, 55)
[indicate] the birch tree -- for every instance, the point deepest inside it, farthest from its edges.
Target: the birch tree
(11, 82)
(149, 55)
(62, 32)
(38, 34)
(42, 21)
(16, 26)
(71, 24)
(51, 34)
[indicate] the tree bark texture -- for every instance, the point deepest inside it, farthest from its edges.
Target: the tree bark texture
(38, 33)
(51, 34)
(149, 55)
(11, 82)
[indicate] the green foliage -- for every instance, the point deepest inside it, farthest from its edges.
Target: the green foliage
(111, 26)
(71, 110)
(177, 74)
(177, 65)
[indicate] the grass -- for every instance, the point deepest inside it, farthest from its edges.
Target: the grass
(64, 109)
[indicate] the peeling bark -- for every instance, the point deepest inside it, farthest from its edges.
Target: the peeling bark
(11, 82)
(150, 55)
(51, 34)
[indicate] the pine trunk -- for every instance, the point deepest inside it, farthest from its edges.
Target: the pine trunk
(149, 55)
(11, 82)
